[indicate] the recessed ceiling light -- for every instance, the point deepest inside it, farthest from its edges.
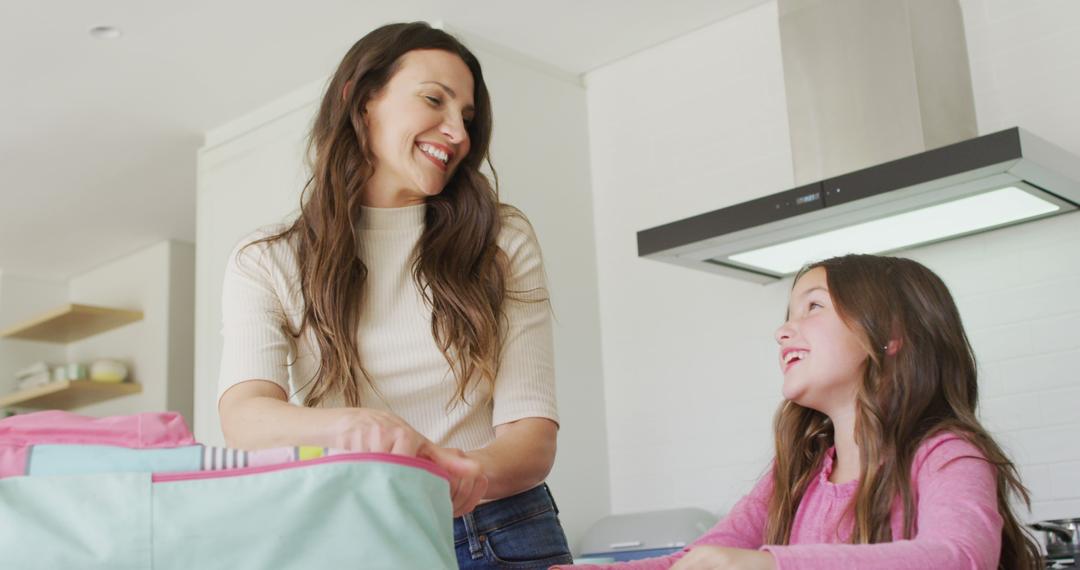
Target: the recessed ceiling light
(105, 32)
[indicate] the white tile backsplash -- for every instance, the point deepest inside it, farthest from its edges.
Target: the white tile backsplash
(1054, 509)
(1015, 412)
(1038, 480)
(1055, 334)
(1024, 303)
(1030, 374)
(1065, 480)
(1060, 406)
(1043, 445)
(1001, 342)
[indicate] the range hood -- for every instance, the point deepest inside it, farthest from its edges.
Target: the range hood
(868, 81)
(971, 186)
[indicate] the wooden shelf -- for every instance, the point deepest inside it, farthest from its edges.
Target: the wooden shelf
(72, 322)
(68, 394)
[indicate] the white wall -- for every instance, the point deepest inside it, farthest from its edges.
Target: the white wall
(250, 174)
(541, 152)
(180, 366)
(155, 280)
(689, 126)
(691, 379)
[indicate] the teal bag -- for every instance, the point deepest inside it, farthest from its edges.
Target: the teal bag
(89, 522)
(136, 492)
(342, 511)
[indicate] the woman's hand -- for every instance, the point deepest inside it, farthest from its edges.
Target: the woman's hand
(520, 457)
(467, 480)
(376, 431)
(257, 415)
(724, 558)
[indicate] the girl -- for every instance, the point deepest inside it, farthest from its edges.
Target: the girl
(880, 459)
(405, 309)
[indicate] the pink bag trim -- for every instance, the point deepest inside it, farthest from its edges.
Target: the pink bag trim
(414, 462)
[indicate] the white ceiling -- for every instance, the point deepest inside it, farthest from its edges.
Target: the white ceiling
(98, 138)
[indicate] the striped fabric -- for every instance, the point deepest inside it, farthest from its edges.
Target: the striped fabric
(219, 458)
(223, 458)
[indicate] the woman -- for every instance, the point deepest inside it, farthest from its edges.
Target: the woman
(405, 307)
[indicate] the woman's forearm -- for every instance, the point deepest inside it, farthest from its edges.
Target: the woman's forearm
(261, 422)
(255, 415)
(520, 458)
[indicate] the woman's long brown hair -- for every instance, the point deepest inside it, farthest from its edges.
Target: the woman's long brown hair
(458, 266)
(927, 387)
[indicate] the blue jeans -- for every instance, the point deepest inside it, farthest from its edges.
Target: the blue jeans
(521, 531)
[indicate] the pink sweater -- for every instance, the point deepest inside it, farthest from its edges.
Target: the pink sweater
(957, 525)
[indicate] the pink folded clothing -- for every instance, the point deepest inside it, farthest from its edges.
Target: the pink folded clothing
(165, 429)
(139, 431)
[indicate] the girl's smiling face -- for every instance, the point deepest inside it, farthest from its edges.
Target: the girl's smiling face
(822, 359)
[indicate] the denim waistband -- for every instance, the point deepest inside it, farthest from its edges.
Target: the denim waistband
(492, 516)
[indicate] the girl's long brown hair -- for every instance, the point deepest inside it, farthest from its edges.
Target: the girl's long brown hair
(928, 387)
(458, 266)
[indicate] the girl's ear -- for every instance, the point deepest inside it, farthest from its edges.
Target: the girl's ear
(345, 90)
(893, 347)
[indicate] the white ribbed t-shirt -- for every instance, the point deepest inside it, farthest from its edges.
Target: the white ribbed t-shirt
(409, 376)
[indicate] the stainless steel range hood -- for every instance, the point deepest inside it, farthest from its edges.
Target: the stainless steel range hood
(869, 81)
(963, 171)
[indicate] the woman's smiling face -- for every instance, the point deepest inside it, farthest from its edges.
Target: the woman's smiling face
(821, 358)
(417, 128)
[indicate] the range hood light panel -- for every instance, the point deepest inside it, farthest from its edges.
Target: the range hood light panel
(933, 223)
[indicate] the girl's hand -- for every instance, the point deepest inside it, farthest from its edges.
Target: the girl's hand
(724, 558)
